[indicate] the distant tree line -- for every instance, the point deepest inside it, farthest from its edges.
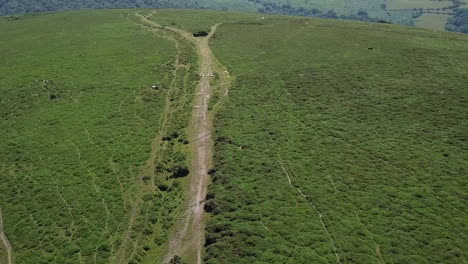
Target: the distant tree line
(287, 9)
(459, 21)
(9, 7)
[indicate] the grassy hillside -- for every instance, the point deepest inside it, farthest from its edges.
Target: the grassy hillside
(433, 21)
(341, 142)
(79, 132)
(338, 142)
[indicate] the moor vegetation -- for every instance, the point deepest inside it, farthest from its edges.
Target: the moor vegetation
(340, 142)
(93, 159)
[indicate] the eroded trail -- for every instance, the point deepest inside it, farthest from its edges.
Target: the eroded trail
(5, 242)
(188, 239)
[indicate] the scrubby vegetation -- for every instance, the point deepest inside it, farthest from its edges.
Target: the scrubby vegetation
(82, 164)
(340, 142)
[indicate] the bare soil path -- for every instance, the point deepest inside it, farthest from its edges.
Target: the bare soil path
(6, 243)
(188, 239)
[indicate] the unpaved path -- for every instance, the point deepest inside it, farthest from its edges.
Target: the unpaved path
(6, 243)
(188, 239)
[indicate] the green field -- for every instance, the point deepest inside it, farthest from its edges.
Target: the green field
(432, 21)
(339, 142)
(410, 4)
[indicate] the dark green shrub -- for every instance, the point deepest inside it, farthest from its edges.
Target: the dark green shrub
(180, 171)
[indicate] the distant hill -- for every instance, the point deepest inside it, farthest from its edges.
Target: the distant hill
(424, 13)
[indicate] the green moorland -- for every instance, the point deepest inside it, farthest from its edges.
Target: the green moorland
(90, 155)
(339, 142)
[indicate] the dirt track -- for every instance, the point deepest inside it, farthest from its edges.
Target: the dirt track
(6, 243)
(188, 239)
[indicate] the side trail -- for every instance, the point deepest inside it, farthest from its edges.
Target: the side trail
(6, 243)
(188, 239)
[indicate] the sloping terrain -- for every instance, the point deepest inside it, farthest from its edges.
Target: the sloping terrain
(341, 143)
(82, 132)
(337, 142)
